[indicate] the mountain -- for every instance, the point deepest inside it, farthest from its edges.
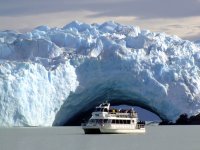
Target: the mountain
(50, 76)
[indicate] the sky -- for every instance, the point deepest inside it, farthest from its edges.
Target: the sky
(175, 17)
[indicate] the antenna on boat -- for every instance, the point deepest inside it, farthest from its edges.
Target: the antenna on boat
(132, 109)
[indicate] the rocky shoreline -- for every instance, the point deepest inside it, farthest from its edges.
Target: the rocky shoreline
(184, 120)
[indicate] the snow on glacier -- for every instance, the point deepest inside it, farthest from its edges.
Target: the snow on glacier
(49, 75)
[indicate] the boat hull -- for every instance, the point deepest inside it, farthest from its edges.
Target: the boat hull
(103, 130)
(92, 131)
(122, 131)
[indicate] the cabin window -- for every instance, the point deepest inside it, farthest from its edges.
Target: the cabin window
(113, 121)
(105, 120)
(132, 121)
(109, 121)
(121, 122)
(105, 110)
(117, 121)
(101, 120)
(92, 120)
(128, 121)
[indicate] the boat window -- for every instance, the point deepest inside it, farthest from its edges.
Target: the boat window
(100, 120)
(132, 121)
(105, 110)
(113, 121)
(128, 121)
(109, 121)
(117, 121)
(121, 122)
(92, 120)
(105, 120)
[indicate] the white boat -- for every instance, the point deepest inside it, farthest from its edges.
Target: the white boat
(109, 120)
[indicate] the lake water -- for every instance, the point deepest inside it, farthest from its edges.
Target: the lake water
(73, 138)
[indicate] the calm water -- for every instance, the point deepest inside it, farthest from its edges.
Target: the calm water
(73, 138)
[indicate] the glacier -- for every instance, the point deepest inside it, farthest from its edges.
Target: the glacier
(49, 76)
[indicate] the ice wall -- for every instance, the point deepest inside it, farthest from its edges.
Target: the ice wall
(49, 75)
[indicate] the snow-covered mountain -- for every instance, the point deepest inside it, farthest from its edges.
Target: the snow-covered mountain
(49, 75)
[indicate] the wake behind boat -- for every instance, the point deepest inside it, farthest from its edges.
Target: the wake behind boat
(109, 120)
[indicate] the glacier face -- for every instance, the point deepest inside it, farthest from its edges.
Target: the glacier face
(50, 75)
